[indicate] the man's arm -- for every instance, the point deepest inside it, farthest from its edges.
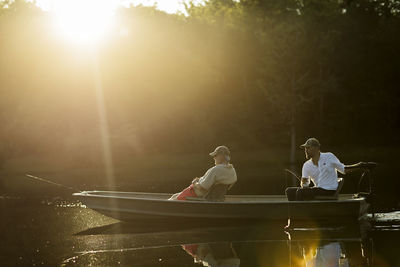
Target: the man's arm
(199, 189)
(305, 177)
(366, 166)
(360, 165)
(203, 184)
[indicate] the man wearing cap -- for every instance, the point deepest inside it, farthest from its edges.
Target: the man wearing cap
(322, 169)
(222, 173)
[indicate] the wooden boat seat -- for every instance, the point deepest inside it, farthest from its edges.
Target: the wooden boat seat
(336, 195)
(216, 193)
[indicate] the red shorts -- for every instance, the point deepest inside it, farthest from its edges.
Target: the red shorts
(187, 192)
(191, 249)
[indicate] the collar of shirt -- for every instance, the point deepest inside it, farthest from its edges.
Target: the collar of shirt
(321, 160)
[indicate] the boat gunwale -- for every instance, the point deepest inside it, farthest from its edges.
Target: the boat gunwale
(92, 195)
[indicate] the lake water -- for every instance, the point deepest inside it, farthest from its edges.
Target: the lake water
(39, 232)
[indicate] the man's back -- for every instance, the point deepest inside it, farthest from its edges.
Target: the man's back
(219, 174)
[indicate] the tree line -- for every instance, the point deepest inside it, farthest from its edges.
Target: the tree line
(250, 74)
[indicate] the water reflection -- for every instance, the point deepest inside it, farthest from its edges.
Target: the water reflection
(325, 254)
(341, 252)
(229, 254)
(261, 245)
(213, 255)
(296, 253)
(293, 253)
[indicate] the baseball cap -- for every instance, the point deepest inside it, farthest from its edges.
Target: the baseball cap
(311, 142)
(220, 150)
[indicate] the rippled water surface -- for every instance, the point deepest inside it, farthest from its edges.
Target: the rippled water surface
(66, 233)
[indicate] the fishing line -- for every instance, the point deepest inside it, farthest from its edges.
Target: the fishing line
(50, 182)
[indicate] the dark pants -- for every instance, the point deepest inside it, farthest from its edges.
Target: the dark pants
(306, 193)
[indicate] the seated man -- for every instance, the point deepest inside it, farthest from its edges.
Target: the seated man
(322, 169)
(222, 173)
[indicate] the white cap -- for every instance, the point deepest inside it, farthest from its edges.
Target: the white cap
(220, 150)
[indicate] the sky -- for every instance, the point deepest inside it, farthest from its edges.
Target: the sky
(169, 6)
(86, 21)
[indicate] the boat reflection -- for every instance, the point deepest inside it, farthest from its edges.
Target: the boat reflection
(260, 245)
(308, 253)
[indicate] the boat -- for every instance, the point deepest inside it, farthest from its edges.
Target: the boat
(128, 206)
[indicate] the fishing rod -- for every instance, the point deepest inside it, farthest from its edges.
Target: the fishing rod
(36, 178)
(294, 174)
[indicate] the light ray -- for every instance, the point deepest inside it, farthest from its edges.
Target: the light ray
(104, 129)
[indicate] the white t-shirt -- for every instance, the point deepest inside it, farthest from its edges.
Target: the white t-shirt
(325, 174)
(219, 174)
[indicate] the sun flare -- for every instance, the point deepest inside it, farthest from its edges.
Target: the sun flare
(83, 21)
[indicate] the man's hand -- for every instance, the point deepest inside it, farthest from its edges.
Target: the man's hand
(367, 166)
(305, 182)
(363, 166)
(195, 180)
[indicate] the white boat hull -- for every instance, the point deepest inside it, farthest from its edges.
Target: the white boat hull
(128, 206)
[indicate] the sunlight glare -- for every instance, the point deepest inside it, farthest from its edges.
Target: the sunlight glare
(84, 21)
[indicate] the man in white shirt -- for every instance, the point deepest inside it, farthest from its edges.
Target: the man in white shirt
(222, 173)
(322, 169)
